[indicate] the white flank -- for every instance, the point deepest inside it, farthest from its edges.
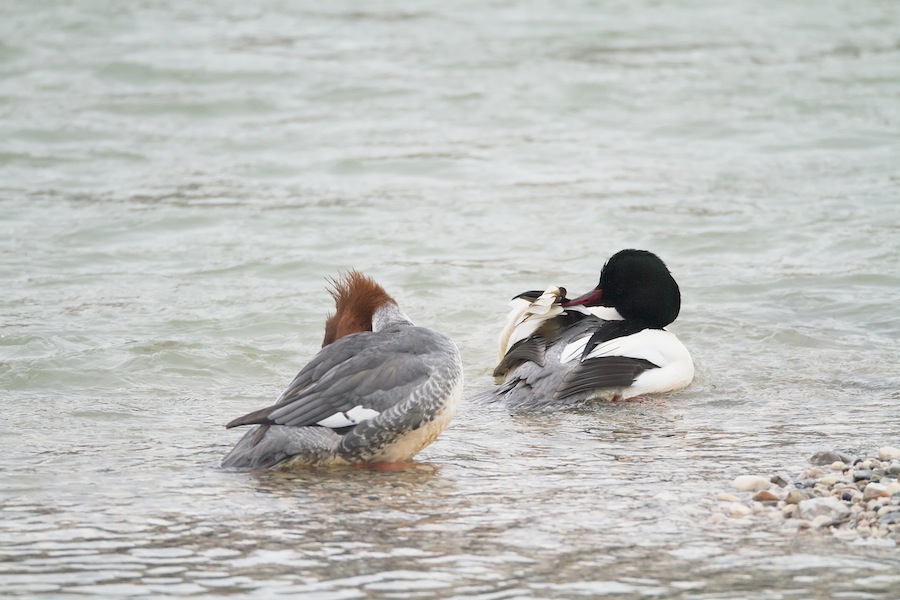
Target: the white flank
(661, 347)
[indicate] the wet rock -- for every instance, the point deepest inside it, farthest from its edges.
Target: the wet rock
(889, 453)
(830, 480)
(861, 474)
(779, 481)
(821, 489)
(796, 496)
(851, 495)
(750, 483)
(825, 457)
(739, 510)
(894, 469)
(726, 497)
(821, 521)
(812, 473)
(892, 518)
(766, 497)
(829, 507)
(874, 490)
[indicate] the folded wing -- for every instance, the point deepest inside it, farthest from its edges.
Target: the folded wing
(348, 381)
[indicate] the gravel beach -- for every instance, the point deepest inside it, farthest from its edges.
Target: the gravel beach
(853, 497)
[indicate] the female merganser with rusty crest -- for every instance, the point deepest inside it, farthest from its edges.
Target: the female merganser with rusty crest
(379, 391)
(610, 343)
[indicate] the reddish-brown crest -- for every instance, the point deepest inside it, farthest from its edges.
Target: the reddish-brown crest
(356, 298)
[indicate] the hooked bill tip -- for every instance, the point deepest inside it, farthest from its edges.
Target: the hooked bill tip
(592, 298)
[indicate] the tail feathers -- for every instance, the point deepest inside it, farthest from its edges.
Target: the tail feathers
(257, 417)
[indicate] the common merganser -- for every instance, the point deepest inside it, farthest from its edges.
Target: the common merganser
(379, 391)
(610, 343)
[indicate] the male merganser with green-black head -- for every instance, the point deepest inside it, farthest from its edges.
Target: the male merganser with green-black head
(379, 391)
(610, 343)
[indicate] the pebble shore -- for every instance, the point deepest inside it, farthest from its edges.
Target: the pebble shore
(853, 497)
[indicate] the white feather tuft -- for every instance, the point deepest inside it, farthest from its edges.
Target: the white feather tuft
(526, 317)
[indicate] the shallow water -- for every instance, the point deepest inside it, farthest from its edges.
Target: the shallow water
(178, 181)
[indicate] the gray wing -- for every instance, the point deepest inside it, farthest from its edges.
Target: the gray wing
(368, 369)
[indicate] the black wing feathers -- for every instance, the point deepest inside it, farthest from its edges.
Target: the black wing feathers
(611, 330)
(602, 372)
(530, 349)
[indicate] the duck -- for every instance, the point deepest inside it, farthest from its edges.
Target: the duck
(378, 391)
(608, 344)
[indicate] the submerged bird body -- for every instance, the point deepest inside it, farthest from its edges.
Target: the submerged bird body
(609, 344)
(379, 390)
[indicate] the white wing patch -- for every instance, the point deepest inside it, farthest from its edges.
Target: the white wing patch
(349, 418)
(574, 349)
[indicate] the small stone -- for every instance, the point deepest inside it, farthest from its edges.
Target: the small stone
(874, 490)
(889, 453)
(830, 480)
(887, 509)
(812, 473)
(779, 481)
(821, 520)
(739, 510)
(726, 497)
(894, 469)
(893, 488)
(788, 511)
(830, 507)
(849, 494)
(825, 457)
(765, 496)
(821, 489)
(861, 474)
(838, 465)
(796, 496)
(750, 483)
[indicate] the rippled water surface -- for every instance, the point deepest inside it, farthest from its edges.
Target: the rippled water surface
(177, 180)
